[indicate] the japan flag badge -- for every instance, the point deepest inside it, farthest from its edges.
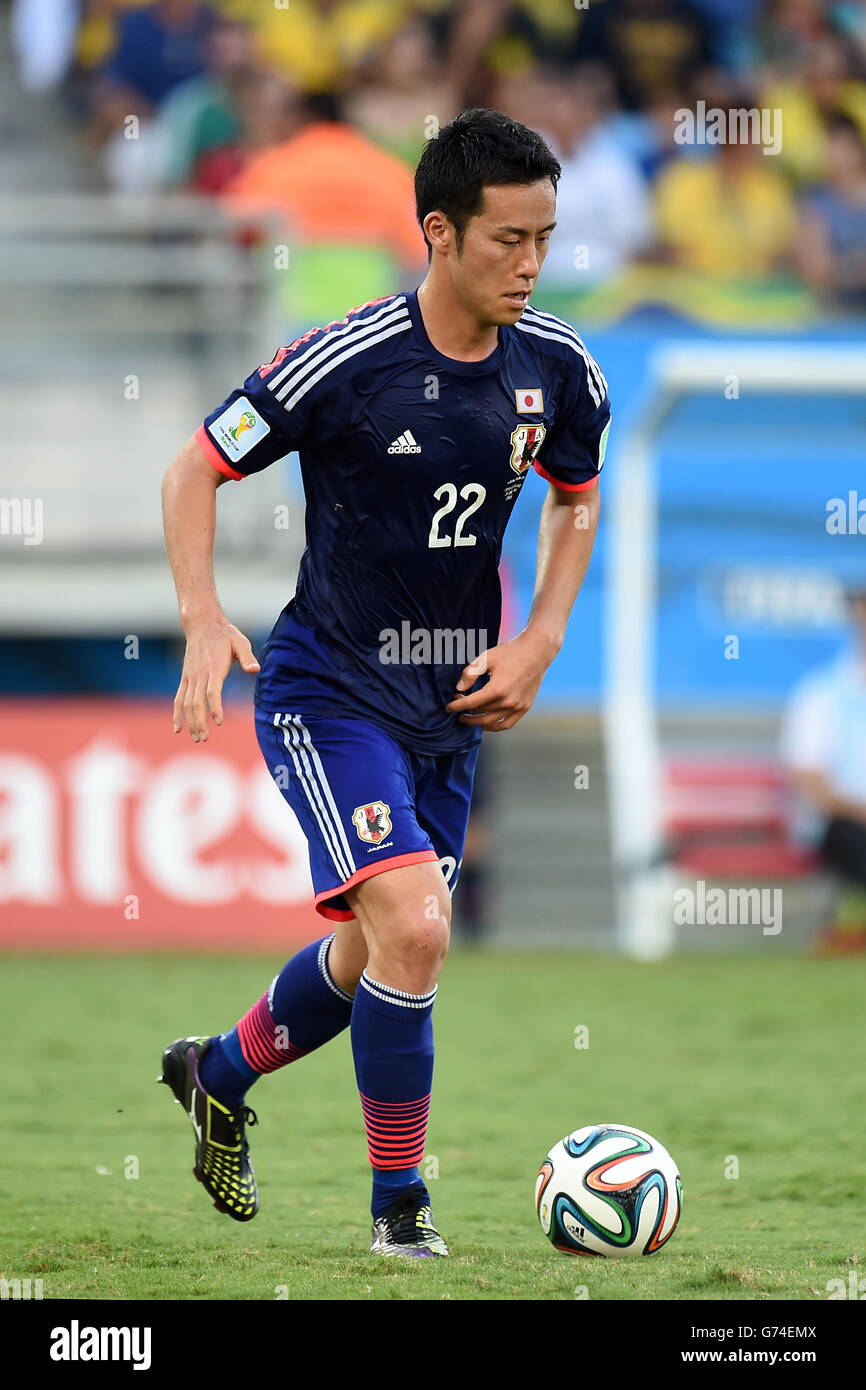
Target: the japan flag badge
(529, 400)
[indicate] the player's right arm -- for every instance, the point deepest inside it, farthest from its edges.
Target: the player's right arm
(275, 411)
(213, 644)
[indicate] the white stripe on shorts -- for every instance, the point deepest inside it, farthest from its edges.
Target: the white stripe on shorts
(308, 766)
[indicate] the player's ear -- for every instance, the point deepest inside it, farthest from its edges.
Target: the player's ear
(439, 231)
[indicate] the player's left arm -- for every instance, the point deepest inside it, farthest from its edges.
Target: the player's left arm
(516, 668)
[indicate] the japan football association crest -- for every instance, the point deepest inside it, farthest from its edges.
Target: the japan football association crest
(372, 822)
(526, 441)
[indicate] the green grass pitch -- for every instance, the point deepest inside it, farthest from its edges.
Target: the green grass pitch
(752, 1063)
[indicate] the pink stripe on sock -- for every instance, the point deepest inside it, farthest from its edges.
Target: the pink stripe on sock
(263, 1042)
(396, 1131)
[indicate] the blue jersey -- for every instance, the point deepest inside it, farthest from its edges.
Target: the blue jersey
(411, 465)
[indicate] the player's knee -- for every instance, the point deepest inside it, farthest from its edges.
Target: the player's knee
(415, 944)
(408, 920)
(431, 937)
(425, 933)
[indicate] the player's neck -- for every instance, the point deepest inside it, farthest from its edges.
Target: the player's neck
(452, 330)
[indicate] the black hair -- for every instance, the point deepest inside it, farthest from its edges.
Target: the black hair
(479, 147)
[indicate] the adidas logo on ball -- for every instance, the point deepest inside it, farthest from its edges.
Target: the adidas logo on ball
(405, 444)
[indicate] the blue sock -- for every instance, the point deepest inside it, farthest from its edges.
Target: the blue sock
(303, 1009)
(388, 1184)
(392, 1044)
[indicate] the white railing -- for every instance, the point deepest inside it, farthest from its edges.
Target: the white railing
(123, 321)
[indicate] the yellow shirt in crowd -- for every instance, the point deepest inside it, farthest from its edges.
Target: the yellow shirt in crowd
(721, 226)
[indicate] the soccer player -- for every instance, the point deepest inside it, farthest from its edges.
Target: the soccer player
(416, 418)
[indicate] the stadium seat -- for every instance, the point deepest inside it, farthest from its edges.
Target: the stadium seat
(729, 818)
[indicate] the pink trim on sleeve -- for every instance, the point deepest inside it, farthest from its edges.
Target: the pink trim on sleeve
(213, 455)
(566, 487)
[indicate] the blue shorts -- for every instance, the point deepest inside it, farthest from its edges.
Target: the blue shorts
(364, 802)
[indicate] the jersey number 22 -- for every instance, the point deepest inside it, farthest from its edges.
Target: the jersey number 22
(449, 492)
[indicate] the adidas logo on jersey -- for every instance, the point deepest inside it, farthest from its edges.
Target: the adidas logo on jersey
(405, 444)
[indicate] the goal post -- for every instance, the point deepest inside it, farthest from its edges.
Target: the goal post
(642, 882)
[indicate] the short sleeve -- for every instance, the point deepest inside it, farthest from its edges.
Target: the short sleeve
(572, 456)
(269, 416)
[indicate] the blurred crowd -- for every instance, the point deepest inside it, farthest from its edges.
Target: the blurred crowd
(320, 108)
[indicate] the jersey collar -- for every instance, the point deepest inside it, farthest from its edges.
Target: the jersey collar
(452, 364)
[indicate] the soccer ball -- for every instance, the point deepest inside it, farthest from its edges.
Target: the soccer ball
(608, 1190)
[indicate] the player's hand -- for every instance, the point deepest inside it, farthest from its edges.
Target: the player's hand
(516, 670)
(212, 647)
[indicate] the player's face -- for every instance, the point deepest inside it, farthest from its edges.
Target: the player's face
(503, 250)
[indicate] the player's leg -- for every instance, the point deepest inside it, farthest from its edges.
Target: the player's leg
(351, 787)
(308, 1003)
(310, 1000)
(406, 916)
(348, 955)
